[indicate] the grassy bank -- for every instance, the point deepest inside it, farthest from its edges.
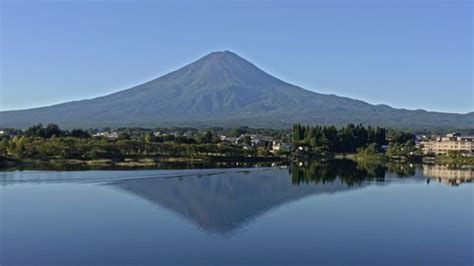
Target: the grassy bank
(164, 162)
(454, 160)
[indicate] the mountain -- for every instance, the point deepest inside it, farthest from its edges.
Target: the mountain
(223, 89)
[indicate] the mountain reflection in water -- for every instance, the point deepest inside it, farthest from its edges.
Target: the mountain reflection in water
(298, 215)
(220, 203)
(223, 202)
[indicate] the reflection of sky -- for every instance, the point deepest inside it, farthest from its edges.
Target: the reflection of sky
(17, 177)
(271, 221)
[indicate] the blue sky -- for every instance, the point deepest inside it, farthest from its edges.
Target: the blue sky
(407, 54)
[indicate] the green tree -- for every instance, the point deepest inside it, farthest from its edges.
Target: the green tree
(149, 137)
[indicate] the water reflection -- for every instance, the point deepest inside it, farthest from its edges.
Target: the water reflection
(449, 175)
(300, 215)
(321, 172)
(348, 171)
(223, 202)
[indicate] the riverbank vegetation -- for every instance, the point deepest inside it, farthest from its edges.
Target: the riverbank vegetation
(139, 147)
(454, 158)
(102, 148)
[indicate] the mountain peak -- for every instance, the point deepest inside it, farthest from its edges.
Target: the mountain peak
(221, 68)
(222, 56)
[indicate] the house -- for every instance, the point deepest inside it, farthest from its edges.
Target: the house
(452, 142)
(230, 140)
(279, 146)
(259, 140)
(107, 134)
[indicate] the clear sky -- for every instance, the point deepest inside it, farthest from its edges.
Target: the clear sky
(408, 54)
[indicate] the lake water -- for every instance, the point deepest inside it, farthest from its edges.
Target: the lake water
(309, 215)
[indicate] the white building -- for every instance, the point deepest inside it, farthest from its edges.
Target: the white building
(107, 134)
(451, 142)
(279, 146)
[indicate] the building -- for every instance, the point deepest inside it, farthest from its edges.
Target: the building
(453, 142)
(279, 146)
(259, 140)
(107, 134)
(231, 140)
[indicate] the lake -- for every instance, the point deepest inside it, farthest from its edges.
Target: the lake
(328, 214)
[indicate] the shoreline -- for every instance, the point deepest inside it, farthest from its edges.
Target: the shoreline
(161, 162)
(184, 162)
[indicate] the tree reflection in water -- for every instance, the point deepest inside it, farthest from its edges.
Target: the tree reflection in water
(349, 172)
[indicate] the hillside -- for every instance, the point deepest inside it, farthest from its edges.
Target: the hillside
(223, 89)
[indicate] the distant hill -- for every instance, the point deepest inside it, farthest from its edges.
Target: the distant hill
(223, 89)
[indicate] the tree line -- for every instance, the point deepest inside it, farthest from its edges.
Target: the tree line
(347, 139)
(51, 142)
(53, 130)
(23, 147)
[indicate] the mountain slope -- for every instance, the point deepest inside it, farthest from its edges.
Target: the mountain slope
(223, 89)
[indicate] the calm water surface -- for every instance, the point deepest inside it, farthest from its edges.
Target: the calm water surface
(258, 216)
